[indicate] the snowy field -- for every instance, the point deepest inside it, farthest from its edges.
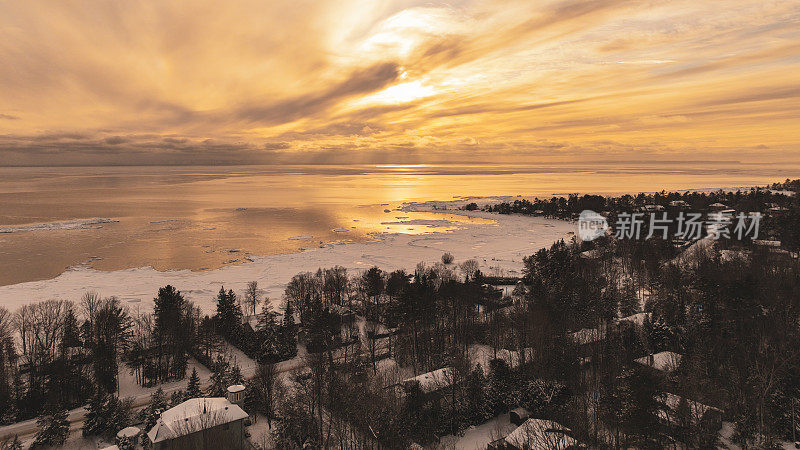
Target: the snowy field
(499, 247)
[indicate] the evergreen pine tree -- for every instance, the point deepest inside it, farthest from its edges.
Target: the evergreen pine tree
(71, 336)
(268, 332)
(193, 388)
(53, 429)
(94, 420)
(176, 398)
(229, 314)
(158, 404)
(288, 336)
(219, 378)
(235, 375)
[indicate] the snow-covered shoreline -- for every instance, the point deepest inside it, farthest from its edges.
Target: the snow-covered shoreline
(501, 244)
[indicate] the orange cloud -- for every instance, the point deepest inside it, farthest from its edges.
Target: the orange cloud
(360, 81)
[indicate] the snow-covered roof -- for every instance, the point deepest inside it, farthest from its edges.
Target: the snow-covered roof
(432, 381)
(663, 361)
(637, 318)
(194, 415)
(536, 434)
(128, 432)
(588, 335)
(236, 388)
(591, 254)
(767, 243)
(695, 410)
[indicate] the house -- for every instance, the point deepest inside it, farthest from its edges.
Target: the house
(200, 423)
(663, 361)
(431, 382)
(539, 434)
(717, 206)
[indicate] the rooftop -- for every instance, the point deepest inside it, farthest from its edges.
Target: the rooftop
(588, 335)
(194, 415)
(432, 381)
(536, 434)
(663, 361)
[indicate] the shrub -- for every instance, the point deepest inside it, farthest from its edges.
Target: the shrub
(447, 258)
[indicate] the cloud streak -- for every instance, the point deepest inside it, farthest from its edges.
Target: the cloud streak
(90, 82)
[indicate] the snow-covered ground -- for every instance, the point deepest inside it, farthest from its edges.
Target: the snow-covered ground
(479, 436)
(498, 244)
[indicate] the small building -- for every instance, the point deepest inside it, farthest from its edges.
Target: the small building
(200, 423)
(539, 434)
(236, 394)
(663, 361)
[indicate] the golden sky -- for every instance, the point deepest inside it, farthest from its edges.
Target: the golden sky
(209, 81)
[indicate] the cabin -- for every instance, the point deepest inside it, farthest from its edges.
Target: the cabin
(200, 423)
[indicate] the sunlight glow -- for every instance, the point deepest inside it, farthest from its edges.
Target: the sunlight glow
(401, 93)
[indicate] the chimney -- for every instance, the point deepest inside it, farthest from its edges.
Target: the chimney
(651, 360)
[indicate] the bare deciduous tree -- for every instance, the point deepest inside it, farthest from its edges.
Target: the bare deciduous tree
(252, 296)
